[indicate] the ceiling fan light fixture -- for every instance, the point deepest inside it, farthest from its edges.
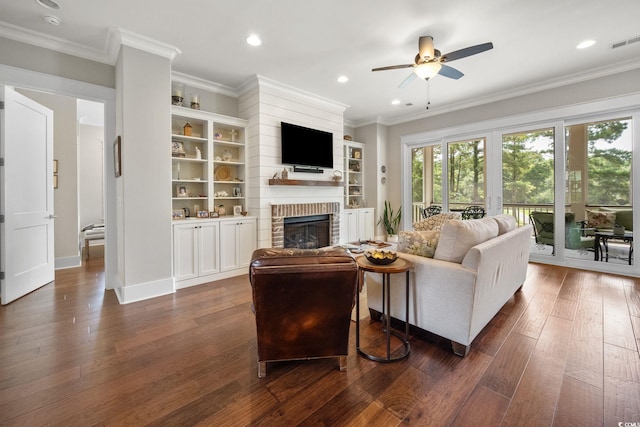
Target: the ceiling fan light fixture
(427, 70)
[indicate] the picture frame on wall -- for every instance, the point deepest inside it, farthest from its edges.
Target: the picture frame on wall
(117, 156)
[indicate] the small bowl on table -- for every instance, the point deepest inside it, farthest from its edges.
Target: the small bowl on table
(380, 256)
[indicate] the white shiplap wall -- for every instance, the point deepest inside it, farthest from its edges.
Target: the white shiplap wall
(265, 103)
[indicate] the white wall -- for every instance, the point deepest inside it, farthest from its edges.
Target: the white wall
(265, 103)
(143, 191)
(91, 170)
(30, 57)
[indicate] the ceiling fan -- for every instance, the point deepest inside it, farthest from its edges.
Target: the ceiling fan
(429, 61)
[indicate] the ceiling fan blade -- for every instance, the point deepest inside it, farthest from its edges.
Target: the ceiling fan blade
(393, 67)
(468, 51)
(450, 72)
(425, 47)
(408, 80)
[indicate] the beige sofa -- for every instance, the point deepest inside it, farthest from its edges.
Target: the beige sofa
(476, 268)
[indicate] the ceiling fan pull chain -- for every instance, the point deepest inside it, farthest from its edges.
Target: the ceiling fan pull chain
(428, 93)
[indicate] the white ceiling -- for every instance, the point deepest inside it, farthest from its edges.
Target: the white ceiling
(308, 44)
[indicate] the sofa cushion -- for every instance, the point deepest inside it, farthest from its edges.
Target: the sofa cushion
(421, 243)
(457, 237)
(435, 222)
(506, 223)
(624, 216)
(600, 219)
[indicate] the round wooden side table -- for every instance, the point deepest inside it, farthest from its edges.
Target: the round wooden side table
(398, 266)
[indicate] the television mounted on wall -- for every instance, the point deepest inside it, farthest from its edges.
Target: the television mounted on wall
(302, 146)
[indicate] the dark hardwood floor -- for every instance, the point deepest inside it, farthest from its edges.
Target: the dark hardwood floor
(563, 352)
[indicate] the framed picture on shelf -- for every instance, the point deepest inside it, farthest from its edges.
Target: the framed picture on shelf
(213, 215)
(203, 214)
(178, 214)
(181, 191)
(237, 210)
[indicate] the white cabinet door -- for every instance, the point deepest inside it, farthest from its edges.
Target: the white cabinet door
(208, 236)
(366, 228)
(350, 226)
(247, 241)
(228, 246)
(185, 251)
(238, 240)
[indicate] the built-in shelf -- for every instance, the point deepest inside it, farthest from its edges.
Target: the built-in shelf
(310, 183)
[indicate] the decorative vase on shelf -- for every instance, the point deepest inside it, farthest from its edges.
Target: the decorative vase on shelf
(284, 174)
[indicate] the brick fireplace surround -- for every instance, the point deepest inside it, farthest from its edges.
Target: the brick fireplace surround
(280, 212)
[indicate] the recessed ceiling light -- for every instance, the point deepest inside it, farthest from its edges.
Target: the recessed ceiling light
(53, 20)
(343, 79)
(254, 40)
(49, 4)
(395, 102)
(585, 44)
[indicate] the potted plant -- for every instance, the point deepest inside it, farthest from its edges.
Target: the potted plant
(391, 220)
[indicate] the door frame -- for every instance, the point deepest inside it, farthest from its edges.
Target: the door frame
(27, 79)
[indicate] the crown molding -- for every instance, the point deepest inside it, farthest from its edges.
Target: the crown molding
(57, 44)
(120, 36)
(207, 85)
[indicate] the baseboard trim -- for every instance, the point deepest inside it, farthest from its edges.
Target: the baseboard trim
(142, 291)
(68, 262)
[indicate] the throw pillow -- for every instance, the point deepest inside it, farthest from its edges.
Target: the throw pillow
(457, 237)
(600, 219)
(421, 243)
(435, 222)
(506, 223)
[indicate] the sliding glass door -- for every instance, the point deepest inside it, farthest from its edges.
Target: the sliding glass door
(599, 184)
(452, 182)
(528, 177)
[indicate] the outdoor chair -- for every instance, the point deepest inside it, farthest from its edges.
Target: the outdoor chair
(430, 211)
(473, 212)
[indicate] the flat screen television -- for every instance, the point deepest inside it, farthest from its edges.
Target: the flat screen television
(302, 146)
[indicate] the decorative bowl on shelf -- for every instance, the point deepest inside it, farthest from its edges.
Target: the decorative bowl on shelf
(380, 256)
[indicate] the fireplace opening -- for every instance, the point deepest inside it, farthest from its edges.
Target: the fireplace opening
(307, 232)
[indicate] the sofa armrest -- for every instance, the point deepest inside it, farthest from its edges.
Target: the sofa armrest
(501, 269)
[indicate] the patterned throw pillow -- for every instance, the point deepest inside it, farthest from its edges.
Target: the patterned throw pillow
(421, 243)
(435, 222)
(600, 219)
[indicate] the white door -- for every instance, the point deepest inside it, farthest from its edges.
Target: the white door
(26, 200)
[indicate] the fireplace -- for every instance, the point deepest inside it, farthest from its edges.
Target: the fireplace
(281, 213)
(306, 232)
